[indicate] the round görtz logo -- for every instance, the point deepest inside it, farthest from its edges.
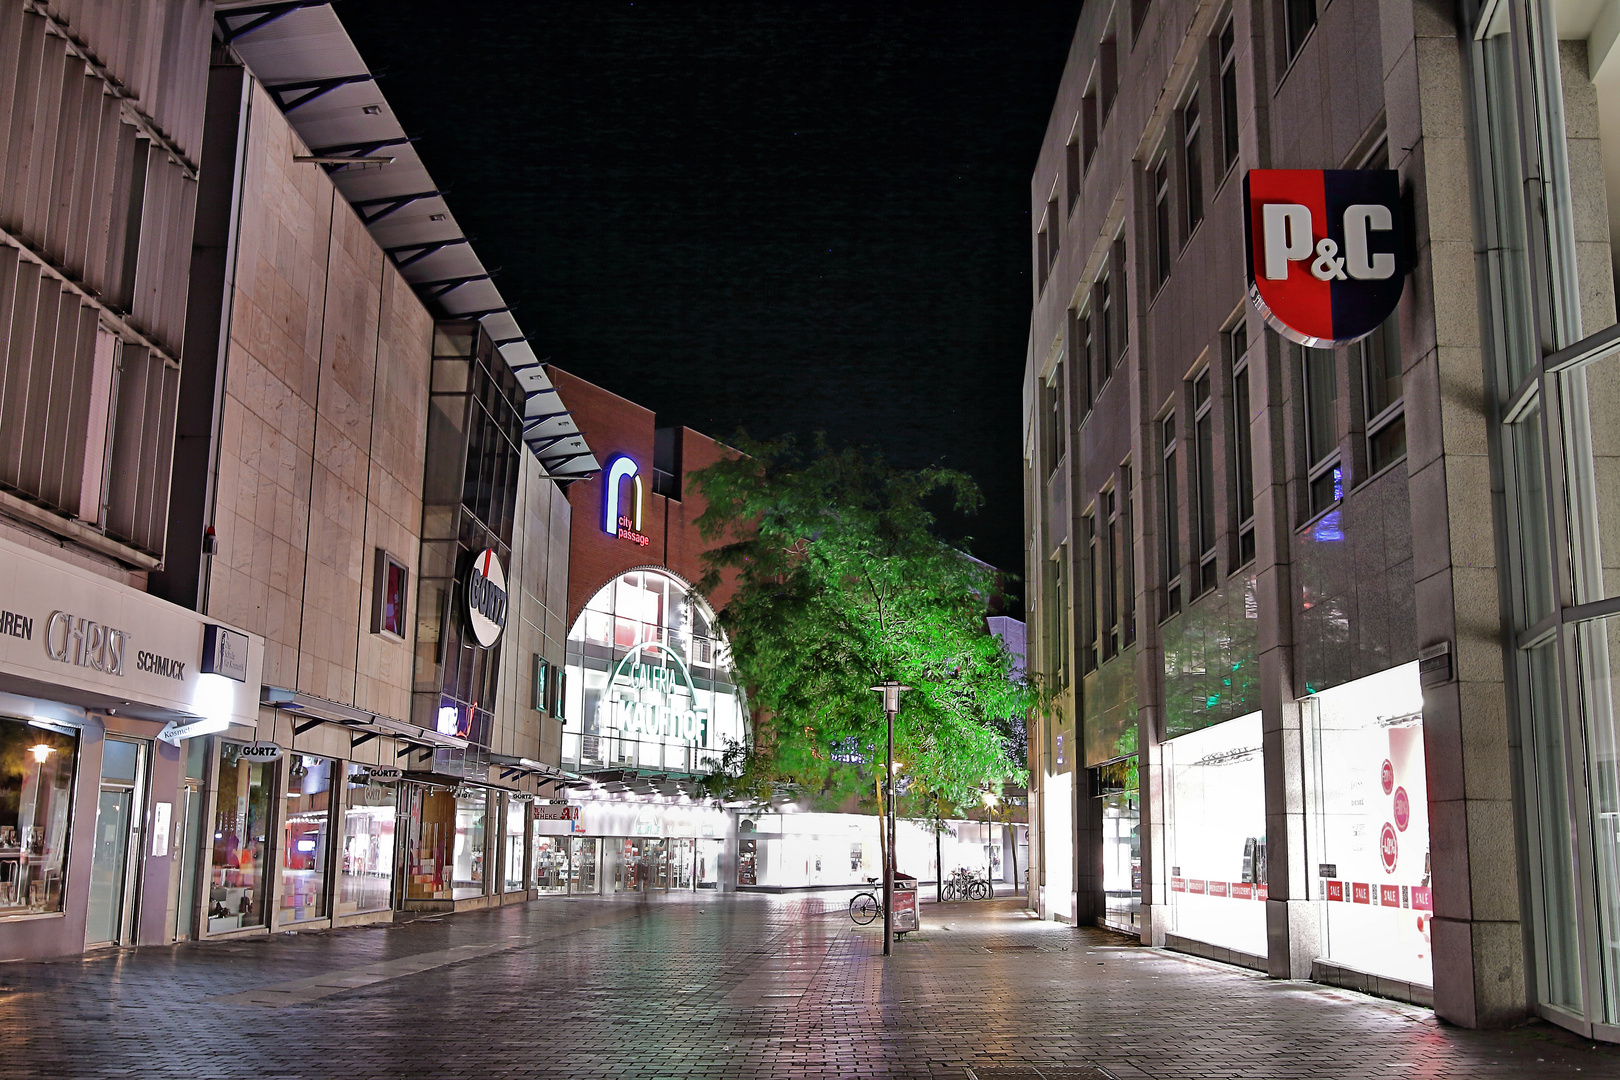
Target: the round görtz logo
(485, 589)
(1326, 251)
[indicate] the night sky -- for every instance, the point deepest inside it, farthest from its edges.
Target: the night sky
(765, 216)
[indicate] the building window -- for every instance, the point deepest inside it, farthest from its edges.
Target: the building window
(367, 861)
(1071, 170)
(1204, 478)
(1237, 351)
(1299, 17)
(1226, 64)
(36, 810)
(388, 601)
(1088, 128)
(1052, 233)
(1102, 308)
(1052, 394)
(1079, 354)
(1161, 222)
(1059, 635)
(306, 838)
(1043, 257)
(1093, 588)
(1385, 412)
(1170, 527)
(242, 823)
(1139, 11)
(1192, 162)
(1119, 325)
(548, 687)
(1107, 75)
(1127, 559)
(1326, 478)
(1110, 583)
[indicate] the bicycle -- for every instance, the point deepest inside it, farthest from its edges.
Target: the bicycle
(864, 907)
(964, 884)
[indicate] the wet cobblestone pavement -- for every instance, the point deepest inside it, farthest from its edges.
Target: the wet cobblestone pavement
(725, 987)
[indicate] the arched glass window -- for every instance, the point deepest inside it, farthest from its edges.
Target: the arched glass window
(650, 684)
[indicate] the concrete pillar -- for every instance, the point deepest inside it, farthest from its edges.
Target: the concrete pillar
(1478, 942)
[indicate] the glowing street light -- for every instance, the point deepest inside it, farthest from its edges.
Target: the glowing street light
(41, 752)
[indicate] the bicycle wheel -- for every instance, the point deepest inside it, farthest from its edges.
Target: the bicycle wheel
(949, 893)
(979, 890)
(863, 908)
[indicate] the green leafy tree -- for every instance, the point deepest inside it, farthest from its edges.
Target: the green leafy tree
(842, 583)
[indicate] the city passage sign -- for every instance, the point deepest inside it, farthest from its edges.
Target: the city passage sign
(1326, 251)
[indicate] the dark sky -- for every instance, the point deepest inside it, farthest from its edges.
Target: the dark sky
(771, 216)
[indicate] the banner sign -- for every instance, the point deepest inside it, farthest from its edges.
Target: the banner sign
(1326, 251)
(553, 812)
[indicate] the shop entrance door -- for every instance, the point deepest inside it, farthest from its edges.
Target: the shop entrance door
(185, 910)
(115, 866)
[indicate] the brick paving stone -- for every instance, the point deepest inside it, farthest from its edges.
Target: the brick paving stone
(730, 988)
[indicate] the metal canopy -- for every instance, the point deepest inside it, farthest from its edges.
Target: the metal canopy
(302, 54)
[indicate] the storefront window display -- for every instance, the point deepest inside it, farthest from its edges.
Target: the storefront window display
(306, 845)
(472, 817)
(1215, 833)
(708, 863)
(1371, 820)
(367, 872)
(582, 864)
(236, 886)
(36, 800)
(517, 818)
(551, 863)
(649, 677)
(432, 843)
(1122, 844)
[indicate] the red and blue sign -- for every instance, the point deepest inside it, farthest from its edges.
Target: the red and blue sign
(1326, 251)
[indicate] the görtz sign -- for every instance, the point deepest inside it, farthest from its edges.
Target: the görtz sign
(1326, 251)
(485, 588)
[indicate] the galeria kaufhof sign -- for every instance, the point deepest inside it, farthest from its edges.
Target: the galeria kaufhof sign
(1326, 251)
(651, 696)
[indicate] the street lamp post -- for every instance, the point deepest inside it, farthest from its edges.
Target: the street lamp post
(890, 689)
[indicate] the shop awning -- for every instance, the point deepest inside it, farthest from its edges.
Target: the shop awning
(312, 710)
(512, 765)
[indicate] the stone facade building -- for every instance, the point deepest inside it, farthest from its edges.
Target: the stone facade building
(1325, 626)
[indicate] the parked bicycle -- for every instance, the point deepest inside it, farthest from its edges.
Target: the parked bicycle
(964, 884)
(864, 906)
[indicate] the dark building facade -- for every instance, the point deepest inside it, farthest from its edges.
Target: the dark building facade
(1327, 624)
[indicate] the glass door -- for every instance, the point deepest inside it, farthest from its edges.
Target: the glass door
(185, 909)
(115, 864)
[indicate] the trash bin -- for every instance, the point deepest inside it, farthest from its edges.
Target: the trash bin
(905, 904)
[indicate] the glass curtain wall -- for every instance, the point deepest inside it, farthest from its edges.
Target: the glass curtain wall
(1546, 123)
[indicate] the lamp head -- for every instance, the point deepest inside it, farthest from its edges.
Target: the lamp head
(41, 752)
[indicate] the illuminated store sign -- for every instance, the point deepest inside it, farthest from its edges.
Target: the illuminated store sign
(619, 518)
(651, 695)
(486, 597)
(1326, 251)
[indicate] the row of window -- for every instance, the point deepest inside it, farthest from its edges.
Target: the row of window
(1374, 421)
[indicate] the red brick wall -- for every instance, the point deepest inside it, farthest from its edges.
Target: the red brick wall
(613, 426)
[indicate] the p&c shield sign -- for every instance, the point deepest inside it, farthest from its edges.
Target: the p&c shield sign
(1326, 250)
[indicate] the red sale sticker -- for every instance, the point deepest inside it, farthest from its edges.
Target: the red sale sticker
(1335, 890)
(1242, 891)
(1360, 892)
(1403, 809)
(1422, 898)
(1388, 848)
(1196, 886)
(1389, 896)
(1178, 884)
(1260, 891)
(1217, 888)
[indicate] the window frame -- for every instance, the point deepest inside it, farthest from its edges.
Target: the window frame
(385, 565)
(1226, 80)
(1169, 511)
(1328, 467)
(1192, 166)
(1203, 476)
(1159, 190)
(1242, 441)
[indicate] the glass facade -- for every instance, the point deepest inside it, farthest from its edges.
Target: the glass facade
(36, 809)
(649, 677)
(1547, 81)
(550, 873)
(242, 822)
(366, 874)
(306, 839)
(517, 820)
(468, 870)
(1121, 798)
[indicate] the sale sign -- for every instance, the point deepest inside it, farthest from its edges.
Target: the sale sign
(1326, 251)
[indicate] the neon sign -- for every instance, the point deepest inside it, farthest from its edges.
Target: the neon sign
(645, 697)
(614, 521)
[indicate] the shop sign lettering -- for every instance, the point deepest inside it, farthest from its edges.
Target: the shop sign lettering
(485, 590)
(619, 518)
(655, 700)
(17, 626)
(1326, 251)
(379, 773)
(225, 652)
(553, 812)
(71, 639)
(153, 664)
(259, 753)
